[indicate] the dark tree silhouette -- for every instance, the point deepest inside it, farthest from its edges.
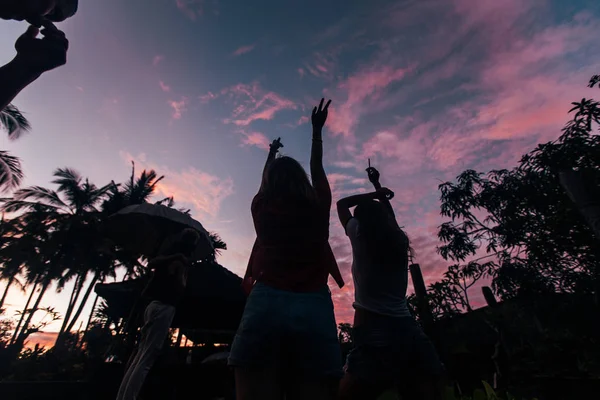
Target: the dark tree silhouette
(521, 222)
(15, 124)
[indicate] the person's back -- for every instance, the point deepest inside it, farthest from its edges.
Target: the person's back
(286, 344)
(389, 346)
(293, 251)
(377, 288)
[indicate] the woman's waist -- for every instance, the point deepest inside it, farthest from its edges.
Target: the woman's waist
(266, 288)
(378, 316)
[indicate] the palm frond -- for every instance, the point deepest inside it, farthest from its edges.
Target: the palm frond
(11, 173)
(40, 193)
(167, 202)
(218, 244)
(14, 122)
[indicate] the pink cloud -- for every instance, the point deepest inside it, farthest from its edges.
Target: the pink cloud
(408, 152)
(191, 187)
(322, 64)
(157, 60)
(302, 120)
(243, 50)
(301, 72)
(257, 139)
(191, 8)
(359, 90)
(205, 98)
(178, 107)
(164, 87)
(251, 103)
(194, 9)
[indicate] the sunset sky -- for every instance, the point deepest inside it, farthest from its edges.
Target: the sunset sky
(196, 89)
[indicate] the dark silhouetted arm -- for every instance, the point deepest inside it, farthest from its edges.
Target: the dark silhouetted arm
(344, 205)
(374, 178)
(273, 150)
(317, 171)
(13, 78)
(34, 57)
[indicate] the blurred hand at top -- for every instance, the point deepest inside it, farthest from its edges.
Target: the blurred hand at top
(38, 55)
(36, 11)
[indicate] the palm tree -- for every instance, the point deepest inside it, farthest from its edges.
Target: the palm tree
(15, 124)
(37, 255)
(136, 190)
(10, 252)
(74, 205)
(11, 173)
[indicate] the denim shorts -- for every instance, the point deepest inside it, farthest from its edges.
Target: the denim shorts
(389, 350)
(294, 331)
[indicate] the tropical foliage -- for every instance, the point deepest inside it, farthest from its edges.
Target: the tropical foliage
(55, 239)
(518, 228)
(15, 124)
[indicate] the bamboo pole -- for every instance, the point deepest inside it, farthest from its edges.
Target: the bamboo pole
(490, 299)
(421, 293)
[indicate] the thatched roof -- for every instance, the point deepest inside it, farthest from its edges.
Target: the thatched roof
(214, 299)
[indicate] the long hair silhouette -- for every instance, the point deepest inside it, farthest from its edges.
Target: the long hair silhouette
(285, 179)
(386, 244)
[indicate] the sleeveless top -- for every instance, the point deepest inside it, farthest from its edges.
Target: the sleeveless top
(292, 250)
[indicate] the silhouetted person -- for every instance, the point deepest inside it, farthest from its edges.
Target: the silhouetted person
(164, 291)
(286, 344)
(390, 347)
(34, 55)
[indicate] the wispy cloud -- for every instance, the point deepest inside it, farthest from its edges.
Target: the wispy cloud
(243, 50)
(164, 87)
(157, 60)
(194, 9)
(178, 107)
(197, 189)
(252, 103)
(256, 139)
(358, 92)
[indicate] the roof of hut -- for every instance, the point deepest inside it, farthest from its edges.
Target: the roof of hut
(213, 300)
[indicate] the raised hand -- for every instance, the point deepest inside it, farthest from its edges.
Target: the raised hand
(40, 55)
(276, 145)
(384, 194)
(319, 115)
(373, 175)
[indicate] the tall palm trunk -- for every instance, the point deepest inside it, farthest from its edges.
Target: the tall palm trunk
(74, 297)
(8, 285)
(16, 332)
(89, 322)
(83, 302)
(23, 334)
